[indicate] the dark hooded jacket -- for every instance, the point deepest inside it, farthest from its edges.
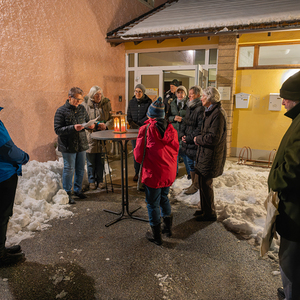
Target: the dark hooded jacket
(191, 127)
(70, 140)
(211, 154)
(137, 111)
(284, 178)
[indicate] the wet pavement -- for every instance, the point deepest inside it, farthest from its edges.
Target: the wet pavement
(80, 258)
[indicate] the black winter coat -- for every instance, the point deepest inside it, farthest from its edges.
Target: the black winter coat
(70, 140)
(191, 127)
(211, 154)
(137, 111)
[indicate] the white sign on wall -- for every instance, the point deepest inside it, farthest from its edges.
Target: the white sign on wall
(225, 92)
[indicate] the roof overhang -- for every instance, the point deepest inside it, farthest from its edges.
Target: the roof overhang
(183, 19)
(215, 31)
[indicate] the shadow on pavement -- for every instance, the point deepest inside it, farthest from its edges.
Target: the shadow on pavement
(67, 281)
(184, 230)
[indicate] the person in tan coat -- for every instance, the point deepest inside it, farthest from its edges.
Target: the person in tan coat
(97, 105)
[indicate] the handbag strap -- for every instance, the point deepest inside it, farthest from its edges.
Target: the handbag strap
(141, 165)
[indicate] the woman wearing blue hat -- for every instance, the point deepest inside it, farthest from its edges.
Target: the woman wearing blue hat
(156, 150)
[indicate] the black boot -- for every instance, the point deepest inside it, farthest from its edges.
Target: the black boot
(7, 259)
(71, 200)
(168, 221)
(13, 249)
(155, 236)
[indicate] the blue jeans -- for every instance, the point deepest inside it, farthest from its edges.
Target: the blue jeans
(157, 203)
(184, 157)
(95, 167)
(136, 164)
(73, 162)
(190, 163)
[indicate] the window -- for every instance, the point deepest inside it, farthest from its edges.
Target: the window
(213, 54)
(279, 55)
(173, 58)
(246, 55)
(269, 56)
(130, 60)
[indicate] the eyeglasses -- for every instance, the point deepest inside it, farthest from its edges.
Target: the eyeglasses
(78, 99)
(138, 92)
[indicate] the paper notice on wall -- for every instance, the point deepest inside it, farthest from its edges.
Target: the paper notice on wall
(152, 93)
(225, 92)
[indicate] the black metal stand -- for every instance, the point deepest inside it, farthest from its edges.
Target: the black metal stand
(125, 203)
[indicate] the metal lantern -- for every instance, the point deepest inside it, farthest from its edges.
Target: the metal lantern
(119, 123)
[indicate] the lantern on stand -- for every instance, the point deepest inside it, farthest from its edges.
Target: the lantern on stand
(119, 123)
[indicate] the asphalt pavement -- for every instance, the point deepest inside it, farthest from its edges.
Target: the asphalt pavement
(81, 258)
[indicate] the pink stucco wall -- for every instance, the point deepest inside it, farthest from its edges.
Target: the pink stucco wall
(49, 46)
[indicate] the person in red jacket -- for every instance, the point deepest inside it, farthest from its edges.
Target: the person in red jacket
(159, 166)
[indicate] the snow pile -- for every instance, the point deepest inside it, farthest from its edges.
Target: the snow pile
(39, 198)
(239, 198)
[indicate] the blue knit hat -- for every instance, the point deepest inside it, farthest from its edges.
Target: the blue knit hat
(156, 110)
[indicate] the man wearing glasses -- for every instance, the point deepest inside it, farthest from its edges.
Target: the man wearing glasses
(72, 141)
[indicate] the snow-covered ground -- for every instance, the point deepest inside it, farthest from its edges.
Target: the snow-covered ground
(239, 196)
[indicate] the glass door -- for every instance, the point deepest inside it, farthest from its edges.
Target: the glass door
(152, 80)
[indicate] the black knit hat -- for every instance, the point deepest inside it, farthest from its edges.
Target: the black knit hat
(156, 110)
(290, 89)
(175, 82)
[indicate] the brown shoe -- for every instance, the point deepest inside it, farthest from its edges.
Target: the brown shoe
(93, 186)
(102, 185)
(191, 190)
(135, 177)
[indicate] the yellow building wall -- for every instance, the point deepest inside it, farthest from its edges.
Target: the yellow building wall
(257, 127)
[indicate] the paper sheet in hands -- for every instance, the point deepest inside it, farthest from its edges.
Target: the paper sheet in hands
(271, 205)
(89, 123)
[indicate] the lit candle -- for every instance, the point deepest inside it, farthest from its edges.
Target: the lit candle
(116, 124)
(123, 125)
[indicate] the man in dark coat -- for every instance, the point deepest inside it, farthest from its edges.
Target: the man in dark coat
(211, 154)
(72, 141)
(191, 127)
(284, 178)
(170, 95)
(137, 115)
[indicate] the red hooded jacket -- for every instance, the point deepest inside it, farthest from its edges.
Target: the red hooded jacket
(160, 162)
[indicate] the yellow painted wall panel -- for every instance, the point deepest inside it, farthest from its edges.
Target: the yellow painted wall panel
(257, 127)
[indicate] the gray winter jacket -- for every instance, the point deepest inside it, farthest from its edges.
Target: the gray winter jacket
(103, 111)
